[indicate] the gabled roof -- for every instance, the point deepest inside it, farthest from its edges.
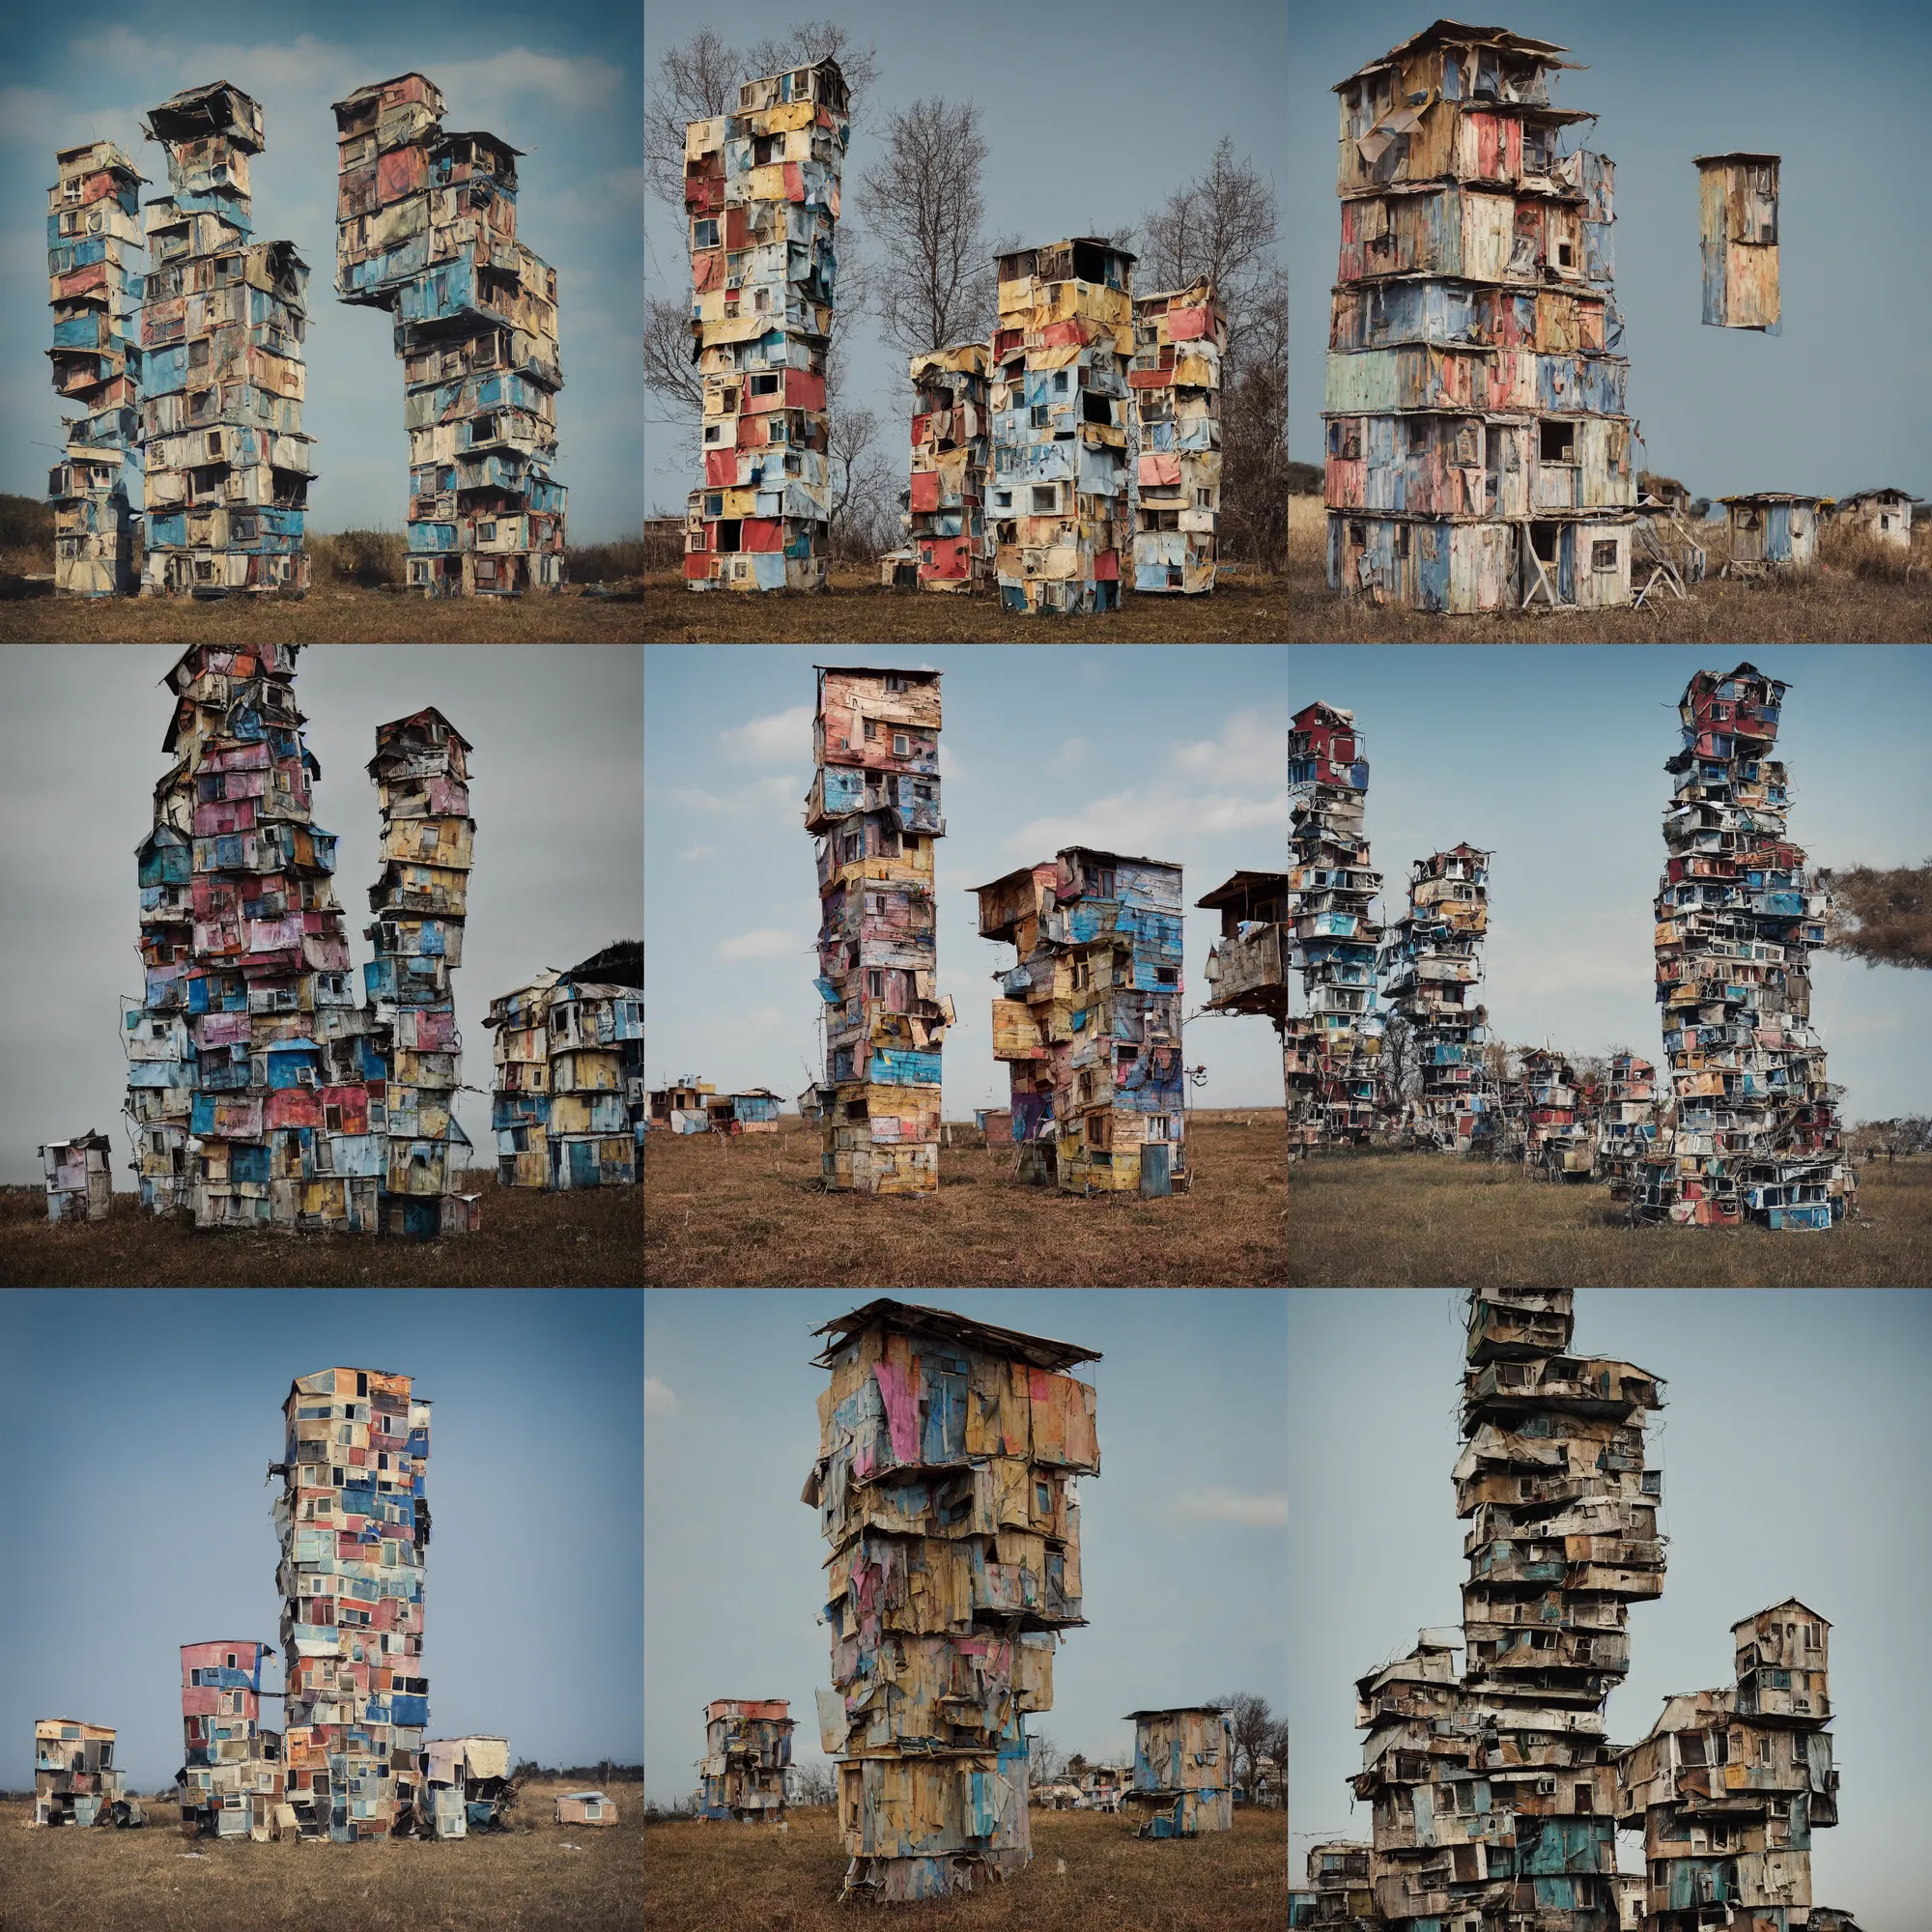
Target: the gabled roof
(1328, 713)
(1789, 1604)
(909, 1317)
(1453, 33)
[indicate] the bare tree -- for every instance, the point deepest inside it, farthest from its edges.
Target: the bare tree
(1222, 225)
(1253, 1724)
(812, 1784)
(1276, 1746)
(1046, 1764)
(1882, 915)
(923, 201)
(671, 370)
(850, 434)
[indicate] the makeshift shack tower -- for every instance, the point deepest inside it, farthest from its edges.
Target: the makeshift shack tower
(948, 1456)
(354, 1525)
(231, 1783)
(1478, 446)
(74, 1780)
(1739, 915)
(94, 283)
(1091, 1019)
(79, 1183)
(1432, 956)
(1184, 1771)
(1061, 351)
(1247, 966)
(761, 193)
(1179, 339)
(874, 811)
(1501, 1771)
(1334, 1043)
(747, 1753)
(947, 497)
(426, 228)
(222, 323)
(1737, 222)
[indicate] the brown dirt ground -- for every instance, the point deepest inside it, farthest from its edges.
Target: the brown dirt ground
(1418, 1220)
(523, 1880)
(1089, 1874)
(746, 1211)
(859, 610)
(1827, 607)
(526, 1240)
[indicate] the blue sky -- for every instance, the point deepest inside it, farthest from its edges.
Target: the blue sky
(1837, 403)
(150, 1505)
(1183, 1554)
(1794, 1465)
(564, 84)
(555, 789)
(1095, 113)
(1176, 753)
(1553, 758)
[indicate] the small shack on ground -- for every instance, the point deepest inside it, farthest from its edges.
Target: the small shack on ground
(1772, 529)
(1884, 514)
(585, 1808)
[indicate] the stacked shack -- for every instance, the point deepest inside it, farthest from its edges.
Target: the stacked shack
(747, 1753)
(1627, 1123)
(1729, 1785)
(354, 1526)
(568, 1105)
(946, 500)
(80, 1184)
(74, 1780)
(1334, 1045)
(222, 383)
(1089, 1020)
(1494, 1790)
(1247, 966)
(1184, 1771)
(1552, 1118)
(1737, 239)
(1061, 354)
(1179, 339)
(469, 1785)
(422, 787)
(94, 283)
(426, 228)
(874, 811)
(1433, 958)
(230, 1782)
(949, 1454)
(1479, 453)
(1338, 1897)
(249, 1082)
(761, 193)
(1737, 916)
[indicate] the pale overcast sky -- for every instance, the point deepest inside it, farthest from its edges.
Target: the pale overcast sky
(1794, 1465)
(564, 84)
(1183, 1549)
(1175, 753)
(1836, 92)
(1553, 758)
(556, 790)
(175, 1544)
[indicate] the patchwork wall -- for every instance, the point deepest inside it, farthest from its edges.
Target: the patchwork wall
(947, 496)
(1737, 240)
(746, 1752)
(1179, 338)
(1184, 1771)
(1433, 958)
(74, 1780)
(231, 1781)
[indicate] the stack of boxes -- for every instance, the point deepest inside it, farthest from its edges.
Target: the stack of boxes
(874, 811)
(1479, 451)
(251, 1095)
(1184, 1771)
(79, 1186)
(1737, 916)
(420, 901)
(1729, 1785)
(1626, 1122)
(746, 1752)
(948, 1456)
(232, 1781)
(469, 1785)
(1178, 341)
(74, 1780)
(519, 1099)
(93, 228)
(1061, 354)
(1435, 952)
(947, 501)
(222, 323)
(354, 1526)
(1247, 966)
(426, 227)
(1338, 1898)
(1334, 1045)
(761, 193)
(1496, 1788)
(1555, 1118)
(1091, 1019)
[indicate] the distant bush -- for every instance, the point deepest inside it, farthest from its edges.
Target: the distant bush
(371, 558)
(1304, 479)
(604, 563)
(26, 525)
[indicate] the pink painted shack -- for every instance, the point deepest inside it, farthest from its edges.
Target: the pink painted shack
(229, 1785)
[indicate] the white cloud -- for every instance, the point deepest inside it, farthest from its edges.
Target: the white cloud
(698, 852)
(1249, 751)
(1223, 1506)
(578, 84)
(1155, 822)
(771, 740)
(763, 941)
(761, 795)
(659, 1400)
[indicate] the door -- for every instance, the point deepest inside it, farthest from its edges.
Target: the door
(1778, 533)
(584, 1163)
(1155, 1158)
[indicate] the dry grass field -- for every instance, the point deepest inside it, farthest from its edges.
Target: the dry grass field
(859, 610)
(1414, 1220)
(747, 1211)
(522, 1880)
(528, 1239)
(1830, 606)
(1089, 1874)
